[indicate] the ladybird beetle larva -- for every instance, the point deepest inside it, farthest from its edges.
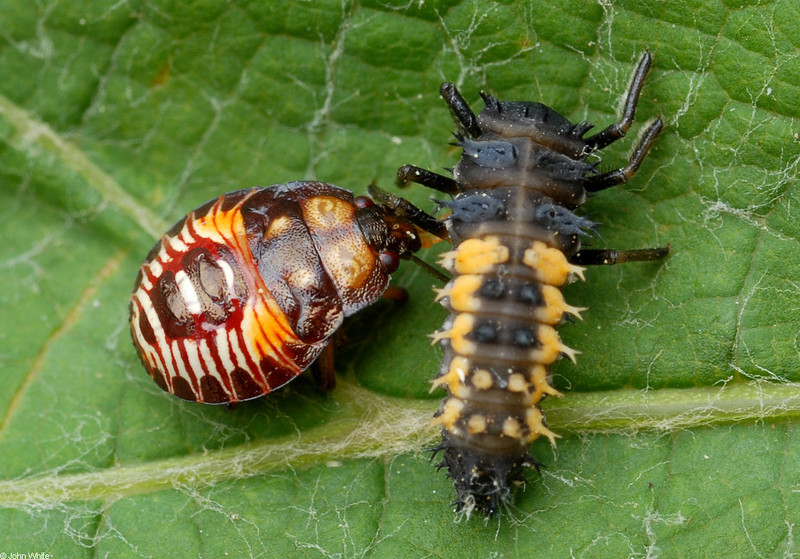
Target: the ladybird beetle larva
(523, 170)
(244, 293)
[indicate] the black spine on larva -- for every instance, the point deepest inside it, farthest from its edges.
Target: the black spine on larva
(522, 171)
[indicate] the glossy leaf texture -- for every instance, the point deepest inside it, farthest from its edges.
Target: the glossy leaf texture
(678, 422)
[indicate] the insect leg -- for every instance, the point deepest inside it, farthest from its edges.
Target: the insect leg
(620, 176)
(323, 369)
(395, 294)
(618, 129)
(412, 173)
(609, 257)
(410, 212)
(460, 110)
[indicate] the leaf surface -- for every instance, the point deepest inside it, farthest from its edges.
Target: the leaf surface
(678, 420)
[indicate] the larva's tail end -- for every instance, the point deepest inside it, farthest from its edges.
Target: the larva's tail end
(484, 481)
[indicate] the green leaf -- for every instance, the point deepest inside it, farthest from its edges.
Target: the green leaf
(677, 421)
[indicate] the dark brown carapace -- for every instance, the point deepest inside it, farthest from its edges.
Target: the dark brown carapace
(524, 168)
(243, 294)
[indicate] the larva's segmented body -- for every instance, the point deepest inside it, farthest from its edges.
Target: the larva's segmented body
(499, 342)
(522, 172)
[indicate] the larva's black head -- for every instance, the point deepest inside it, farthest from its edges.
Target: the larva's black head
(545, 126)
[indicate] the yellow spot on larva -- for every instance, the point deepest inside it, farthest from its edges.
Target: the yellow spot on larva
(554, 306)
(221, 227)
(475, 256)
(476, 424)
(451, 412)
(459, 367)
(512, 428)
(517, 383)
(549, 345)
(462, 293)
(455, 376)
(550, 264)
(482, 379)
(462, 325)
(460, 390)
(541, 385)
(534, 419)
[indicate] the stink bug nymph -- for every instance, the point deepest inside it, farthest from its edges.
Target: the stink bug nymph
(244, 293)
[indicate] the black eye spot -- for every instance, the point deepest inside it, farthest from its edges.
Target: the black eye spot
(524, 337)
(486, 332)
(529, 294)
(492, 289)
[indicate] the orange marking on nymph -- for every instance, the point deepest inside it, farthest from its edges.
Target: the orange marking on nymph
(265, 327)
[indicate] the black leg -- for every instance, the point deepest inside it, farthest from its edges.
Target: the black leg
(323, 369)
(412, 173)
(435, 272)
(410, 212)
(608, 257)
(619, 176)
(395, 294)
(618, 130)
(460, 110)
